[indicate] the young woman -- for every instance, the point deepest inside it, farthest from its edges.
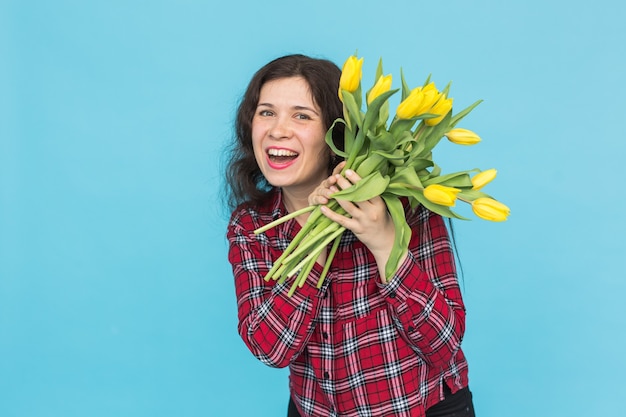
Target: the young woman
(360, 345)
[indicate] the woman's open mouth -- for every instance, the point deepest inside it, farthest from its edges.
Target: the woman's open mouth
(281, 158)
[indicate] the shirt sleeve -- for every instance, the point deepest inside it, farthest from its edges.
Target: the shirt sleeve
(424, 295)
(274, 326)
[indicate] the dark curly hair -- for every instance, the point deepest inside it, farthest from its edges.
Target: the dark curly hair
(244, 181)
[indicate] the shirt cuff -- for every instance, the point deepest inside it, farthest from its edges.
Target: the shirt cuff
(408, 281)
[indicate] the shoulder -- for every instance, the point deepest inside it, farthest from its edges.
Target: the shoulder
(249, 217)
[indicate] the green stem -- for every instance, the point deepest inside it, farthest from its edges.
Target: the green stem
(314, 254)
(284, 219)
(294, 243)
(330, 228)
(329, 260)
(419, 130)
(301, 279)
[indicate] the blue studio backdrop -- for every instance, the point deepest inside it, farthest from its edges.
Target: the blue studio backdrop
(116, 297)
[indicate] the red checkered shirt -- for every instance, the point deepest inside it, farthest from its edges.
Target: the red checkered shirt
(355, 347)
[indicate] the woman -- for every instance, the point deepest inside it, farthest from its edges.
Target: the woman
(359, 345)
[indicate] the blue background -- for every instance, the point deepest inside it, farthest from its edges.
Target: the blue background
(116, 297)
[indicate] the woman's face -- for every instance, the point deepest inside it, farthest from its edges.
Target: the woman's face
(288, 137)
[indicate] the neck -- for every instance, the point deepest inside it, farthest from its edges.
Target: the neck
(296, 201)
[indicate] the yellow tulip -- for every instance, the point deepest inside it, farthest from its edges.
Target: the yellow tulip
(441, 194)
(462, 137)
(418, 102)
(441, 108)
(431, 96)
(351, 75)
(382, 86)
(490, 209)
(483, 178)
(406, 109)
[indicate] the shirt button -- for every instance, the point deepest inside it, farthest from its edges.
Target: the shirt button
(392, 295)
(326, 375)
(411, 328)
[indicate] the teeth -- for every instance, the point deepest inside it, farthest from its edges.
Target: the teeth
(281, 152)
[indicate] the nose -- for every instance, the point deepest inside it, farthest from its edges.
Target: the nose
(280, 129)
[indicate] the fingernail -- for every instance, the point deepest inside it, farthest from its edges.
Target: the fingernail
(349, 172)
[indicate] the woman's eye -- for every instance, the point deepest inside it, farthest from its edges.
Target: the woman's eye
(265, 113)
(302, 116)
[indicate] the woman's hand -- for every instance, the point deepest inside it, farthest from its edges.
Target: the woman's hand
(369, 220)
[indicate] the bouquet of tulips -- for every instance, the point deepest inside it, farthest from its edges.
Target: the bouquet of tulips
(394, 159)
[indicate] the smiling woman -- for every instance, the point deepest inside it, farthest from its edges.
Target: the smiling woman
(288, 139)
(360, 343)
(244, 177)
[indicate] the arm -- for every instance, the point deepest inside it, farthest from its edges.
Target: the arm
(424, 296)
(275, 327)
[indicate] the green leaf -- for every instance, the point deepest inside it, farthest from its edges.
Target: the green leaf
(455, 179)
(402, 237)
(401, 126)
(353, 108)
(436, 171)
(420, 163)
(348, 138)
(369, 164)
(368, 187)
(456, 118)
(402, 190)
(472, 195)
(382, 141)
(446, 89)
(373, 110)
(406, 176)
(434, 134)
(406, 90)
(379, 70)
(383, 116)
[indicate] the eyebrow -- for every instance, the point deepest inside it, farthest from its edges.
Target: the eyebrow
(294, 107)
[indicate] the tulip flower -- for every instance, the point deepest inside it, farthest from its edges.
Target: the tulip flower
(351, 75)
(407, 108)
(395, 162)
(382, 86)
(431, 96)
(490, 209)
(441, 194)
(418, 102)
(483, 178)
(441, 108)
(462, 137)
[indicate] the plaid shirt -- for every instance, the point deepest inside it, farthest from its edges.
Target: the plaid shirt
(355, 347)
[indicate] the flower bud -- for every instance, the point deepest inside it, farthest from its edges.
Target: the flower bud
(351, 75)
(483, 178)
(418, 102)
(431, 96)
(440, 194)
(462, 137)
(441, 108)
(382, 86)
(490, 209)
(407, 108)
